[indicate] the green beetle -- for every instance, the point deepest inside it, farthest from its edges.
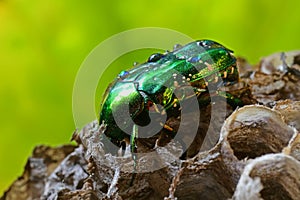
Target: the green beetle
(146, 93)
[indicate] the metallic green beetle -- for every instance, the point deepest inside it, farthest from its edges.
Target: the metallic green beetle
(149, 88)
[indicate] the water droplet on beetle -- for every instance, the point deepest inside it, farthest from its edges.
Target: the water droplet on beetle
(176, 47)
(155, 57)
(123, 74)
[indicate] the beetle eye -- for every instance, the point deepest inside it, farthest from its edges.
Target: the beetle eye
(155, 57)
(149, 104)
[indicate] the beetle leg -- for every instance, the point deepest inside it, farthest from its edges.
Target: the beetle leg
(133, 137)
(169, 128)
(133, 149)
(122, 150)
(232, 100)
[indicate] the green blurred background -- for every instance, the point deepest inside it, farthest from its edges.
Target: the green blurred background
(43, 43)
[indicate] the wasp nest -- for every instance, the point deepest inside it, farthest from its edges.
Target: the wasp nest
(252, 152)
